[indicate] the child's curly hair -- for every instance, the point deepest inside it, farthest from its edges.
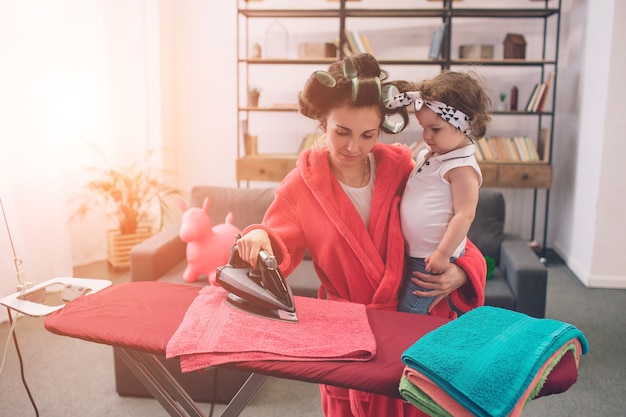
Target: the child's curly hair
(463, 91)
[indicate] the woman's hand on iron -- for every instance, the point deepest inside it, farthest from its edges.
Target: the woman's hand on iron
(252, 243)
(440, 285)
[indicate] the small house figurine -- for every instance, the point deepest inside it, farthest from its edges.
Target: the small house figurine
(514, 46)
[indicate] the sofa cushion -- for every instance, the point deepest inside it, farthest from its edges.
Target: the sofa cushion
(498, 293)
(303, 280)
(487, 231)
(248, 205)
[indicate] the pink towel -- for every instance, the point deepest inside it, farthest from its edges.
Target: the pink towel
(213, 333)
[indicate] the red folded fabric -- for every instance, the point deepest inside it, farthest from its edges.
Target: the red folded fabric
(213, 333)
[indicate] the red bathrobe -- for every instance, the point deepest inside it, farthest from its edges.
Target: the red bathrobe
(354, 263)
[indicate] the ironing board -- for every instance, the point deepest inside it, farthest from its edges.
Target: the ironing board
(139, 318)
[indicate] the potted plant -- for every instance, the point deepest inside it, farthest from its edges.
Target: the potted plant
(253, 96)
(135, 196)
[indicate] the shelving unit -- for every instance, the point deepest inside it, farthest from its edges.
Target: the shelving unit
(458, 16)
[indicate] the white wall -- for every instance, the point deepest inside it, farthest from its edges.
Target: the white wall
(590, 187)
(205, 85)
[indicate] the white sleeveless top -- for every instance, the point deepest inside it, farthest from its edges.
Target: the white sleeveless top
(426, 206)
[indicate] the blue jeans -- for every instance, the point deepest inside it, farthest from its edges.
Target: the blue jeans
(409, 302)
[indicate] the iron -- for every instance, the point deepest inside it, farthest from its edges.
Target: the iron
(261, 291)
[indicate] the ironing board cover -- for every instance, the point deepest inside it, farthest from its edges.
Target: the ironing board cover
(144, 315)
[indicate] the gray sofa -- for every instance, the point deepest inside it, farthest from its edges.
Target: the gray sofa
(518, 283)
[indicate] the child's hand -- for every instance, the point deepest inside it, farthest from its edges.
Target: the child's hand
(437, 262)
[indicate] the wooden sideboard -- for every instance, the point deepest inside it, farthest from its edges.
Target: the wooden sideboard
(265, 167)
(274, 167)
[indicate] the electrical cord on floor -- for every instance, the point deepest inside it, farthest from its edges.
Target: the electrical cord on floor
(6, 346)
(19, 356)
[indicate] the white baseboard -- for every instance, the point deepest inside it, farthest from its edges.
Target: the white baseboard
(616, 283)
(590, 280)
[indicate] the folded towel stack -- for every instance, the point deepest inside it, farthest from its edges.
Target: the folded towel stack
(488, 362)
(213, 333)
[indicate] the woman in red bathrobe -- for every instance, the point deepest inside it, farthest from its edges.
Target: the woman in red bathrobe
(341, 204)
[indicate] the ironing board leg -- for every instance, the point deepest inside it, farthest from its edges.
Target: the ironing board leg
(245, 394)
(160, 383)
(172, 397)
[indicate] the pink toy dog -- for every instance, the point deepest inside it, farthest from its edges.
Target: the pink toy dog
(207, 247)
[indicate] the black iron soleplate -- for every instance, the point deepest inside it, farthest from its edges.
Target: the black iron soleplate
(252, 308)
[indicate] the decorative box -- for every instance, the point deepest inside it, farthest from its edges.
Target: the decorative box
(476, 51)
(317, 50)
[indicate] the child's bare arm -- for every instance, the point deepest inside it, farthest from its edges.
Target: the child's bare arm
(465, 184)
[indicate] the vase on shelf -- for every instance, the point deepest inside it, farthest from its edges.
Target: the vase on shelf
(253, 98)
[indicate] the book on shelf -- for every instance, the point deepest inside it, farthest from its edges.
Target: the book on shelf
(345, 48)
(533, 98)
(511, 150)
(545, 92)
(496, 149)
(543, 145)
(357, 43)
(501, 148)
(489, 149)
(521, 148)
(533, 155)
(539, 96)
(354, 49)
(514, 149)
(528, 149)
(540, 93)
(484, 148)
(436, 44)
(366, 43)
(478, 154)
(492, 148)
(530, 97)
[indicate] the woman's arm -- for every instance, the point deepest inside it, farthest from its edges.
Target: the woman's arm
(472, 293)
(463, 281)
(280, 234)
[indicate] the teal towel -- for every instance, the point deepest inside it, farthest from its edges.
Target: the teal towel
(487, 358)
